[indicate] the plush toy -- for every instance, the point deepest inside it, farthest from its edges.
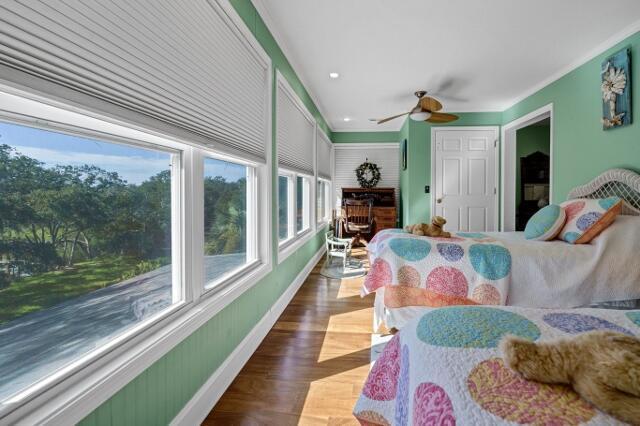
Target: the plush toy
(432, 230)
(602, 366)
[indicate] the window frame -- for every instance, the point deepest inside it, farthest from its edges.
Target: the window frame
(74, 391)
(296, 238)
(253, 223)
(306, 205)
(321, 222)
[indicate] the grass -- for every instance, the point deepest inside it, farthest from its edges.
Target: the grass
(32, 294)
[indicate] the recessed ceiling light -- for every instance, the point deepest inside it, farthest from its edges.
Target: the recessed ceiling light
(334, 75)
(347, 119)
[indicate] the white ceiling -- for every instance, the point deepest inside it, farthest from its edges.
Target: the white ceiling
(473, 55)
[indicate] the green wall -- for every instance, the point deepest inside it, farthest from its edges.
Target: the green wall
(416, 205)
(158, 394)
(365, 137)
(529, 140)
(581, 149)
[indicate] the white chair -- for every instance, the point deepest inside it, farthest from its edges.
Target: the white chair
(338, 247)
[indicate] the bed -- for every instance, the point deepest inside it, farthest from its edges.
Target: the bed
(444, 368)
(503, 268)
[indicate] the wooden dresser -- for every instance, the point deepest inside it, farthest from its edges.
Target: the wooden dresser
(385, 214)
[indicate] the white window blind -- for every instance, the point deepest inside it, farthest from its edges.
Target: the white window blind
(323, 155)
(184, 63)
(295, 129)
(349, 156)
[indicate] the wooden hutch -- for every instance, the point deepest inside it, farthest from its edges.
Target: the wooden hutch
(385, 214)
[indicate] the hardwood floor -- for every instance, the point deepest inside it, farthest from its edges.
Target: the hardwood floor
(311, 366)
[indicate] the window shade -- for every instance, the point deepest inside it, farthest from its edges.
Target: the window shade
(323, 155)
(294, 131)
(184, 63)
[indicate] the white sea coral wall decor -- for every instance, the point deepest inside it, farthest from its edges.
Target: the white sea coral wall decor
(616, 90)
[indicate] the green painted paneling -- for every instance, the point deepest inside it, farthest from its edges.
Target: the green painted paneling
(157, 395)
(529, 140)
(365, 137)
(581, 149)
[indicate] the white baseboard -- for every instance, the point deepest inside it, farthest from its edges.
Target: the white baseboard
(199, 406)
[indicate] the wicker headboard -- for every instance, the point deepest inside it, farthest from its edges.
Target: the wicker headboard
(615, 182)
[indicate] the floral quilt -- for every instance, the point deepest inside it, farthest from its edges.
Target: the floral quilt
(444, 368)
(466, 269)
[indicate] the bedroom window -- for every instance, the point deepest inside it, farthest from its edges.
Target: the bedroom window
(88, 232)
(284, 190)
(323, 201)
(229, 245)
(303, 203)
(294, 210)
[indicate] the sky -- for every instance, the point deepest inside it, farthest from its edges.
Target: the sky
(133, 164)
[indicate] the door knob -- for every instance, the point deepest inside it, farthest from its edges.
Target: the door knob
(438, 200)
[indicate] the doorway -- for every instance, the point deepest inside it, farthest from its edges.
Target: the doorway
(527, 167)
(464, 177)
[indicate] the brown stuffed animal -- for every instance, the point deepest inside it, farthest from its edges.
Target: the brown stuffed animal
(432, 230)
(602, 366)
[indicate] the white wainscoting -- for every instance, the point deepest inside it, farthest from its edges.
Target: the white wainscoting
(348, 156)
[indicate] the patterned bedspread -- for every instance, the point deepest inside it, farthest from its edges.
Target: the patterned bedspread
(468, 268)
(444, 368)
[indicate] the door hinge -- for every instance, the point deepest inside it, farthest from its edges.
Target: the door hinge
(495, 191)
(495, 143)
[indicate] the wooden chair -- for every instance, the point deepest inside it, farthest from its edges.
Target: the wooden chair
(358, 218)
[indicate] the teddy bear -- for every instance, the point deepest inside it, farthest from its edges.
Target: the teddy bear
(432, 230)
(602, 366)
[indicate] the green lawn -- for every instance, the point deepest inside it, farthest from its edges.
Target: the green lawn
(38, 292)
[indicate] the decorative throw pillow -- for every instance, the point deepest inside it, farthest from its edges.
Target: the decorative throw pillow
(587, 218)
(546, 223)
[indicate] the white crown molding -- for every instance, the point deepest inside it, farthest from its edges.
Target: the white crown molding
(372, 130)
(593, 53)
(268, 21)
(366, 145)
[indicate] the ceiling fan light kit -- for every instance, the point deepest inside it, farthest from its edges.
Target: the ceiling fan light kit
(425, 110)
(420, 115)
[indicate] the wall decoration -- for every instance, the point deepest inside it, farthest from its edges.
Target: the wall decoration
(368, 174)
(616, 90)
(404, 154)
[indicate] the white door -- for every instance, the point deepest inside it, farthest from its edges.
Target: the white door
(465, 186)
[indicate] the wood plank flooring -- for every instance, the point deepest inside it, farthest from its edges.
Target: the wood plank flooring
(310, 368)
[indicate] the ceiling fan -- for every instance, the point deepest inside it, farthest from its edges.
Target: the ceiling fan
(426, 110)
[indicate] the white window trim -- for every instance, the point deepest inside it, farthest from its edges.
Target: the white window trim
(296, 238)
(254, 222)
(307, 205)
(75, 391)
(322, 222)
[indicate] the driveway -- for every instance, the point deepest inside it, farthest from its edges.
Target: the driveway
(38, 344)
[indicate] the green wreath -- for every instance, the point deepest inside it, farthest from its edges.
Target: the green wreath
(368, 174)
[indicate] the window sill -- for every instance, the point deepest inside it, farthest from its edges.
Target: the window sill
(292, 244)
(320, 226)
(80, 388)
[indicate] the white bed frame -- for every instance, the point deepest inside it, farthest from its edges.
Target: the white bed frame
(613, 183)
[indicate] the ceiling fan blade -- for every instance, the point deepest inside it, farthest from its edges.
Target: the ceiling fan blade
(428, 103)
(441, 117)
(384, 120)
